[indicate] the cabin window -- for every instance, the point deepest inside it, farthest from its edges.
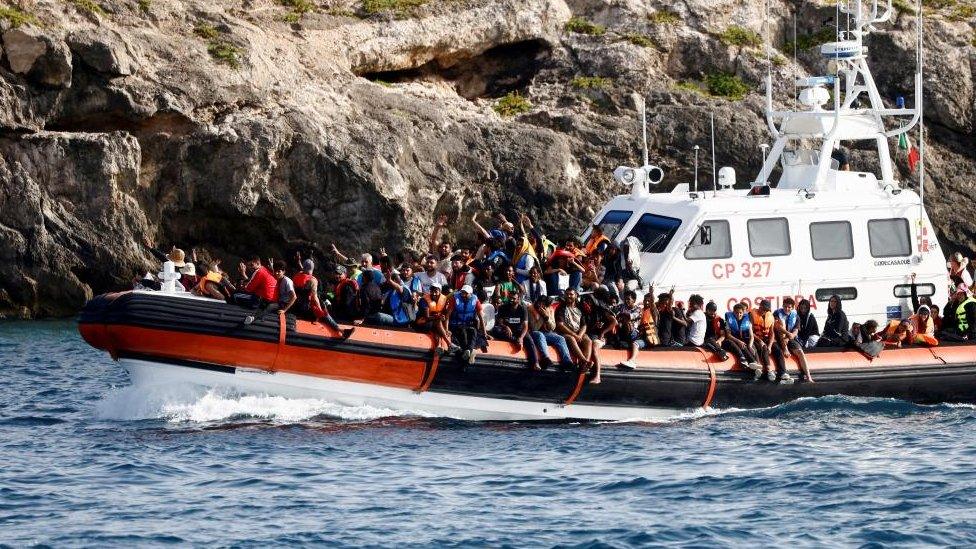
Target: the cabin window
(654, 232)
(712, 241)
(921, 290)
(823, 295)
(831, 240)
(769, 237)
(889, 237)
(613, 221)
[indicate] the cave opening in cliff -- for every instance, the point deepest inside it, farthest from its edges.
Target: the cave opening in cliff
(493, 73)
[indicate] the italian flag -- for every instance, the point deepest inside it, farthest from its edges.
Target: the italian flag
(913, 155)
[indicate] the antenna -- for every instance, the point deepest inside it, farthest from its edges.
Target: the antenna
(921, 118)
(714, 173)
(641, 105)
(697, 148)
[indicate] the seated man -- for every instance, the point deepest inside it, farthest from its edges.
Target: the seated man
(286, 288)
(461, 273)
(260, 287)
(739, 339)
(346, 293)
(534, 286)
(762, 328)
(714, 331)
(512, 325)
(898, 333)
(465, 322)
(430, 317)
(865, 338)
(396, 299)
(370, 300)
(628, 329)
(649, 320)
(508, 287)
(697, 323)
(213, 284)
(786, 330)
(571, 325)
(542, 325)
(430, 274)
(308, 306)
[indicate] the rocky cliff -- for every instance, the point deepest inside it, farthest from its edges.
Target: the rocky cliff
(238, 126)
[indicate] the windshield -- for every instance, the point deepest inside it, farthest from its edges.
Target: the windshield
(613, 222)
(655, 232)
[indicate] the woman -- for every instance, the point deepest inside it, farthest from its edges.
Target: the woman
(837, 329)
(923, 327)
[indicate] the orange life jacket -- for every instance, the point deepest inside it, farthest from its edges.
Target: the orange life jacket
(593, 243)
(435, 309)
(209, 277)
(762, 324)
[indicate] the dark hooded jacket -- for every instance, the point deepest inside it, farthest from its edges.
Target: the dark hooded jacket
(836, 329)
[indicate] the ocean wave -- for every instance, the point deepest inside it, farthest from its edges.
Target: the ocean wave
(181, 404)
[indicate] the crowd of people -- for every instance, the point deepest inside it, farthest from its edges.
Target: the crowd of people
(577, 297)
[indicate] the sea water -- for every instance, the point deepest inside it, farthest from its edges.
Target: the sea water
(85, 459)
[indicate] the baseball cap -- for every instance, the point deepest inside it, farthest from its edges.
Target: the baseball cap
(467, 289)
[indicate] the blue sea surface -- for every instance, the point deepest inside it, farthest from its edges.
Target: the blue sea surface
(86, 460)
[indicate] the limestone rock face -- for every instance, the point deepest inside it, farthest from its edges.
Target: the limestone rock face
(68, 219)
(23, 48)
(236, 127)
(45, 61)
(106, 54)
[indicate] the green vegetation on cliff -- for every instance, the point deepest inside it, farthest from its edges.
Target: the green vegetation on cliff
(582, 26)
(217, 46)
(17, 17)
(741, 36)
(512, 104)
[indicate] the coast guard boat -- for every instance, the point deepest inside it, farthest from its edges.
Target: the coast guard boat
(805, 228)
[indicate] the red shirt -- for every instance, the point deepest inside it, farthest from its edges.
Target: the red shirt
(263, 284)
(301, 279)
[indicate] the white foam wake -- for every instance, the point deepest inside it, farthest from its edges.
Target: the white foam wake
(189, 403)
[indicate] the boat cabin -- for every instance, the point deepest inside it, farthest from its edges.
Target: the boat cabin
(806, 227)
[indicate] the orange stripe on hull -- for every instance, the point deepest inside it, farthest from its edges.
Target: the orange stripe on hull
(387, 371)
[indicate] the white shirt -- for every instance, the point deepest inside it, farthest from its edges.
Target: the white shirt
(426, 280)
(527, 289)
(696, 327)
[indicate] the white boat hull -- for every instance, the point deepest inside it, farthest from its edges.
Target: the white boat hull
(345, 393)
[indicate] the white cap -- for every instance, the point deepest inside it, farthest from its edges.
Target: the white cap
(467, 289)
